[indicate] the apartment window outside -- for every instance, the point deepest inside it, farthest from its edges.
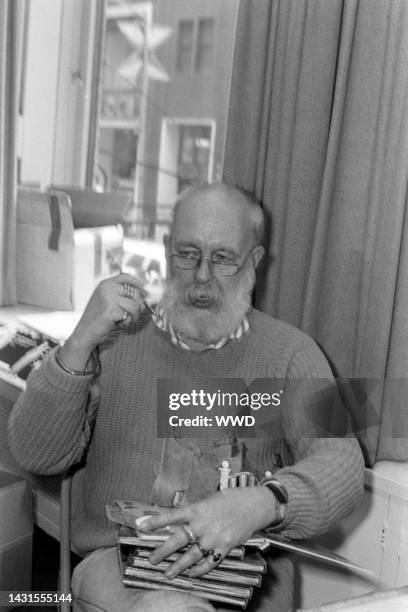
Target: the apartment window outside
(194, 155)
(185, 45)
(205, 45)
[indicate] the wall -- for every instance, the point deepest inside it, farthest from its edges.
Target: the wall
(374, 537)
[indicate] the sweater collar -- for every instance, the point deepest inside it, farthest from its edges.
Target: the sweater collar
(161, 321)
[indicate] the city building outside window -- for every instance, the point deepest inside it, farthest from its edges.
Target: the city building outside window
(205, 45)
(185, 45)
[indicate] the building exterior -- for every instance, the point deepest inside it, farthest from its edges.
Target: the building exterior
(178, 137)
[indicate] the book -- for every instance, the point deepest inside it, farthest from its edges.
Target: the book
(22, 349)
(135, 537)
(211, 596)
(230, 571)
(232, 581)
(125, 513)
(208, 586)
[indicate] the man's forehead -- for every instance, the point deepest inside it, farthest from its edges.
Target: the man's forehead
(214, 209)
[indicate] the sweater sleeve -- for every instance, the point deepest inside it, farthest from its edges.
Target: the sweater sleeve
(325, 482)
(50, 425)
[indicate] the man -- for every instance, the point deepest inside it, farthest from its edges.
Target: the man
(203, 327)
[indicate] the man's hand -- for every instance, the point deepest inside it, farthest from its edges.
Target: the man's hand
(106, 309)
(218, 523)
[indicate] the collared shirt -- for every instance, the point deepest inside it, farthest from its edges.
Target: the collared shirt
(160, 319)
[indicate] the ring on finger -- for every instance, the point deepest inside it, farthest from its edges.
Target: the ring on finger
(203, 550)
(216, 557)
(189, 532)
(125, 316)
(128, 291)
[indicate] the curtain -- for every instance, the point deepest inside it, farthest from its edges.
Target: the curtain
(318, 130)
(12, 14)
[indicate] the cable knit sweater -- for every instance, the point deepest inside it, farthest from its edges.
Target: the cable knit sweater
(51, 427)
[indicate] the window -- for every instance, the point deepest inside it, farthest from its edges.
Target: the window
(193, 155)
(205, 45)
(123, 112)
(185, 45)
(187, 154)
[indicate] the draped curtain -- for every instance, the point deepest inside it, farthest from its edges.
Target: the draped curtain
(12, 13)
(318, 130)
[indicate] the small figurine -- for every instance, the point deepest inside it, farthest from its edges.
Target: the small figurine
(224, 475)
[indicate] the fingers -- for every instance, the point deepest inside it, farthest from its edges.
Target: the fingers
(189, 558)
(197, 559)
(207, 564)
(121, 279)
(177, 540)
(132, 307)
(172, 517)
(126, 297)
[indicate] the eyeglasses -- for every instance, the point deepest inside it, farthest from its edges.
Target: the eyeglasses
(192, 261)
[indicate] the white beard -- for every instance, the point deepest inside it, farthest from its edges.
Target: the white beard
(209, 324)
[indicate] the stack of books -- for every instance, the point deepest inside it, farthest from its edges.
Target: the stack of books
(232, 582)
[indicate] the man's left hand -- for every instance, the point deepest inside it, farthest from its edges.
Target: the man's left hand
(218, 523)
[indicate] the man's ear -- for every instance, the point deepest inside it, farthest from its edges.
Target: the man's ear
(257, 253)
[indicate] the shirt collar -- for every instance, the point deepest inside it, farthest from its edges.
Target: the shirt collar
(160, 319)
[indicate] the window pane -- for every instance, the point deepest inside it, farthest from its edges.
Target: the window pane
(194, 155)
(185, 45)
(205, 44)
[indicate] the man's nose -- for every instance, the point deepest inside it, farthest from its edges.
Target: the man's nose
(203, 272)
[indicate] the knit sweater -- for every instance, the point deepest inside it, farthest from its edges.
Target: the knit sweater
(52, 428)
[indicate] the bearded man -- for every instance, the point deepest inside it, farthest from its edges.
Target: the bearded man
(203, 327)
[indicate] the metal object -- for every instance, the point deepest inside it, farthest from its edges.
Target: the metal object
(189, 532)
(203, 550)
(216, 557)
(128, 291)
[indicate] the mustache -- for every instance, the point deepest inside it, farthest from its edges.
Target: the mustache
(206, 292)
(193, 313)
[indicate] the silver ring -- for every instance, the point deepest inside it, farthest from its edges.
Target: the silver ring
(189, 533)
(203, 550)
(127, 290)
(125, 316)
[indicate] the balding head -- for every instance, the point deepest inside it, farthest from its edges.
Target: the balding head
(236, 202)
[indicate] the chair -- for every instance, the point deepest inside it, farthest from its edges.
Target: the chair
(65, 539)
(67, 497)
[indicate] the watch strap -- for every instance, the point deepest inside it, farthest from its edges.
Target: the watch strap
(281, 496)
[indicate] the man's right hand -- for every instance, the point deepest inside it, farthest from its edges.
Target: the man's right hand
(106, 309)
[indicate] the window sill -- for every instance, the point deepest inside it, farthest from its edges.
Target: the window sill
(58, 324)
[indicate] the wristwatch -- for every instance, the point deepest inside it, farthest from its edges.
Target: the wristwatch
(281, 496)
